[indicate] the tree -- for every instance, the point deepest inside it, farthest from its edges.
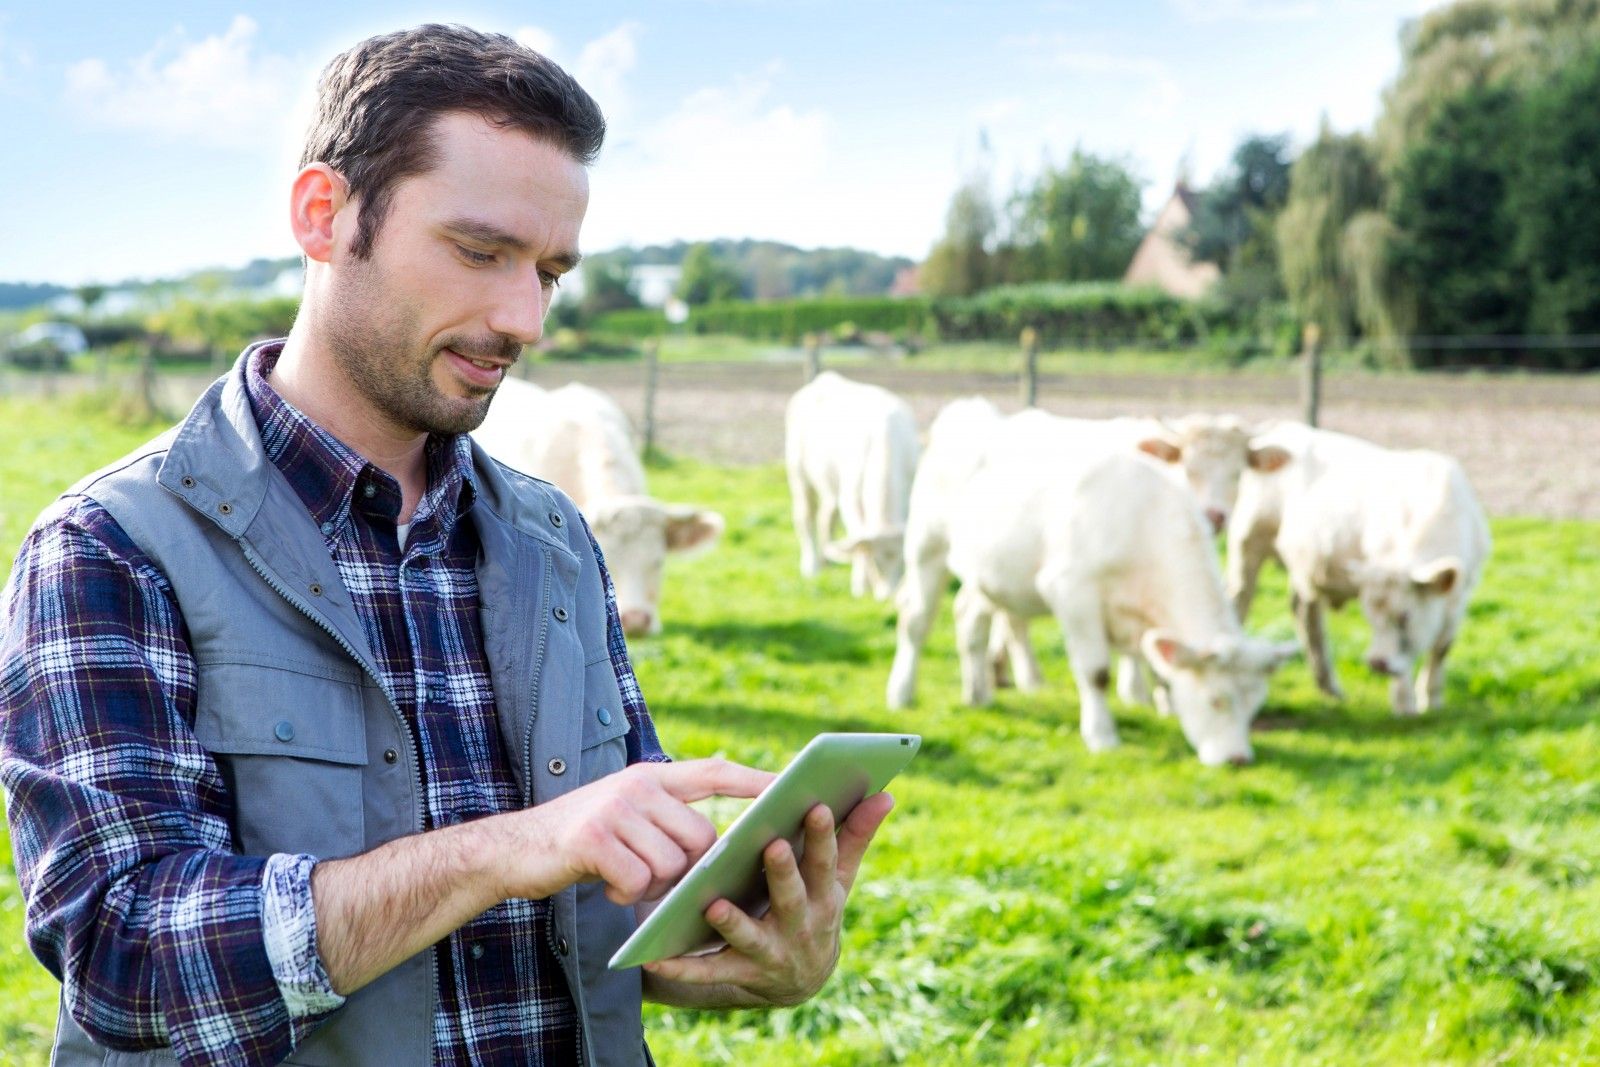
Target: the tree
(1234, 219)
(1076, 223)
(960, 263)
(1554, 200)
(1452, 249)
(707, 277)
(1332, 182)
(607, 286)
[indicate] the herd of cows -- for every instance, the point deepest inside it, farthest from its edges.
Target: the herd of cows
(1106, 525)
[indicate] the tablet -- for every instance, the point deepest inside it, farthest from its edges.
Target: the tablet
(838, 770)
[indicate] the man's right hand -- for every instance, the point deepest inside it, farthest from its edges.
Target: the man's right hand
(632, 830)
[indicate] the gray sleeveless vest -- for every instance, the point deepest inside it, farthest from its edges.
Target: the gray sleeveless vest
(276, 640)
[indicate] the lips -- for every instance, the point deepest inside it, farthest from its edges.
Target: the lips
(484, 374)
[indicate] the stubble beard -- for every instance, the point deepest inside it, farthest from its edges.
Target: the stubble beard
(377, 354)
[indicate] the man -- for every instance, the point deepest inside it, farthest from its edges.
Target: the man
(319, 732)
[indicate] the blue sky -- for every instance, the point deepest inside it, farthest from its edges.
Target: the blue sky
(147, 139)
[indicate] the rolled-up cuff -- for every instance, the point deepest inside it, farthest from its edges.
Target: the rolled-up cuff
(289, 929)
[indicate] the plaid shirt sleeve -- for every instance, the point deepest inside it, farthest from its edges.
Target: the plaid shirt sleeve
(643, 745)
(160, 933)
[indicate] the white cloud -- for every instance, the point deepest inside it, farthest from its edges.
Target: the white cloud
(604, 65)
(537, 38)
(218, 90)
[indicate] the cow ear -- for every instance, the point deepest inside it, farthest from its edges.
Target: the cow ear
(1268, 458)
(1167, 653)
(1439, 576)
(1161, 448)
(691, 529)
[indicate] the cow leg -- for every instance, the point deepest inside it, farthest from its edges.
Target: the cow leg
(1077, 608)
(803, 502)
(1133, 685)
(1246, 555)
(1401, 697)
(917, 599)
(1309, 621)
(860, 572)
(974, 618)
(1430, 679)
(1011, 654)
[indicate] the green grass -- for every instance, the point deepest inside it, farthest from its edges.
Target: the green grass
(1371, 891)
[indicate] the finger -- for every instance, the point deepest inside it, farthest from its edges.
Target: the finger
(713, 968)
(697, 779)
(689, 829)
(785, 887)
(742, 933)
(822, 850)
(664, 858)
(856, 835)
(627, 877)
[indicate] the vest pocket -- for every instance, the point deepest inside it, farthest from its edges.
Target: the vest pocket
(605, 724)
(291, 744)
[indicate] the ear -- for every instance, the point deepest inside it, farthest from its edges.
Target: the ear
(1439, 576)
(1268, 458)
(691, 529)
(1275, 654)
(318, 194)
(1167, 653)
(1161, 448)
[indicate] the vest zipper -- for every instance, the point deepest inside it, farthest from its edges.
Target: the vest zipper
(405, 729)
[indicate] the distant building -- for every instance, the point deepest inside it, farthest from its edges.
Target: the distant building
(656, 282)
(1162, 261)
(907, 282)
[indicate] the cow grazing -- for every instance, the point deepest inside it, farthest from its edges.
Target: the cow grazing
(851, 452)
(1402, 532)
(1050, 522)
(579, 439)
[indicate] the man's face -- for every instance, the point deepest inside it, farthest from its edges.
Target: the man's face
(460, 277)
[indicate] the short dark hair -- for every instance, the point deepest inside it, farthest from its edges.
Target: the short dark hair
(377, 103)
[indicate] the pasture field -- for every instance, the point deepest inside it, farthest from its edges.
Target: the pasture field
(1371, 891)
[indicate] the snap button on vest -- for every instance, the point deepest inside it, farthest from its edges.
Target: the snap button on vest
(555, 519)
(316, 588)
(390, 755)
(187, 482)
(561, 945)
(284, 731)
(225, 507)
(558, 766)
(560, 614)
(604, 716)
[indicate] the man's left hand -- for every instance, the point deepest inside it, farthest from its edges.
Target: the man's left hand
(785, 956)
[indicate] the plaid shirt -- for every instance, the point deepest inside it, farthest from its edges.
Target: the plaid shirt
(160, 932)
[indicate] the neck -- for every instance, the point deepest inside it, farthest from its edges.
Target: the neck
(309, 378)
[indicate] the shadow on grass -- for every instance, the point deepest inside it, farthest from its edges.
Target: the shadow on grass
(781, 728)
(793, 641)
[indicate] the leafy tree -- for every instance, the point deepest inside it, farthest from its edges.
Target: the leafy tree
(1332, 182)
(1555, 199)
(1079, 222)
(1234, 219)
(1452, 251)
(707, 277)
(960, 263)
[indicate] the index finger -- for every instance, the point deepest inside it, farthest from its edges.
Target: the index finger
(697, 779)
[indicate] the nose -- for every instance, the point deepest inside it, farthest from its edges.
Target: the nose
(1216, 516)
(637, 621)
(1241, 759)
(519, 310)
(1379, 664)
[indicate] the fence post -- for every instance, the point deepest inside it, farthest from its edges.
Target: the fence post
(1030, 367)
(1311, 376)
(813, 343)
(652, 353)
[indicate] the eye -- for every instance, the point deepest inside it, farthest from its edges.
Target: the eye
(477, 259)
(549, 279)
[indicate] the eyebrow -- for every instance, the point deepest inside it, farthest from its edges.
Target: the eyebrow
(490, 234)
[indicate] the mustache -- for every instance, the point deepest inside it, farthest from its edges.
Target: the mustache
(497, 347)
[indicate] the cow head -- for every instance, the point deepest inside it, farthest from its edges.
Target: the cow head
(1213, 452)
(636, 534)
(881, 552)
(1407, 606)
(1216, 690)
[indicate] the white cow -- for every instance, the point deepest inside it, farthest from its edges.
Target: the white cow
(1051, 522)
(851, 452)
(1204, 452)
(579, 439)
(1402, 532)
